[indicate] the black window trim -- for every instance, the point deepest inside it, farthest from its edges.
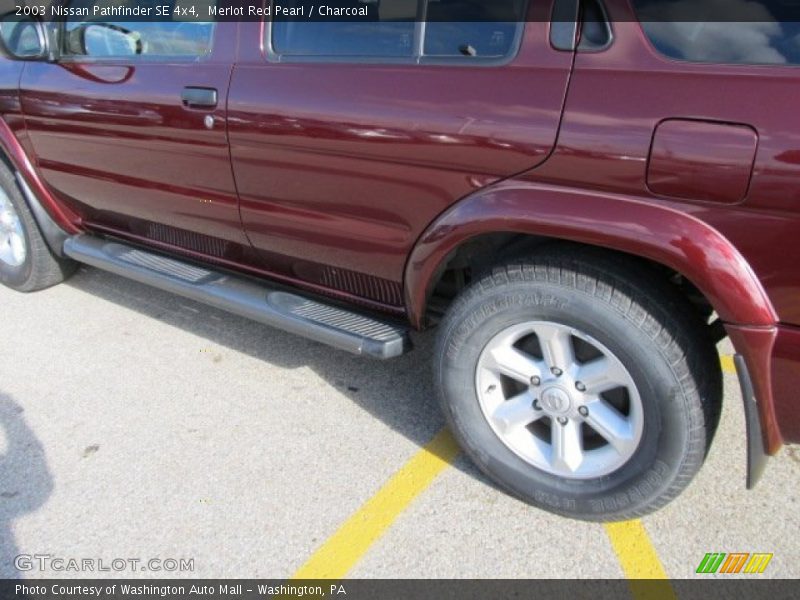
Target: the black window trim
(587, 48)
(417, 58)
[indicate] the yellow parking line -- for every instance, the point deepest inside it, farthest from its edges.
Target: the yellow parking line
(639, 560)
(727, 364)
(340, 553)
(634, 550)
(632, 545)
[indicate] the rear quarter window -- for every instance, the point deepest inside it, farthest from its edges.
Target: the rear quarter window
(750, 32)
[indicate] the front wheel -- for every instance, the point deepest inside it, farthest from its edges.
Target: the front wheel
(26, 263)
(580, 383)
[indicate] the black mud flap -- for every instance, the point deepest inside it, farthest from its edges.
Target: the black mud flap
(756, 455)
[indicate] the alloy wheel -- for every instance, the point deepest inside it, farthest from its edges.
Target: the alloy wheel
(560, 400)
(13, 250)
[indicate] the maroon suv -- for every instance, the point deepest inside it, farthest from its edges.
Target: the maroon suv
(581, 200)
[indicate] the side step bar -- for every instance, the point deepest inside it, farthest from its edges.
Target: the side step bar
(330, 325)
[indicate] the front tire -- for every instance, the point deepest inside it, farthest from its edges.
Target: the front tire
(580, 383)
(26, 262)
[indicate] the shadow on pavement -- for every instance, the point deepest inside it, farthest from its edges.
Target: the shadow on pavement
(398, 392)
(25, 480)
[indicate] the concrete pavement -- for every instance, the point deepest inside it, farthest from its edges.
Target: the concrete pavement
(135, 424)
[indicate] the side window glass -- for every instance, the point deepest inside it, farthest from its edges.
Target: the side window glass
(490, 40)
(458, 29)
(387, 32)
(468, 28)
(102, 37)
(763, 32)
(21, 36)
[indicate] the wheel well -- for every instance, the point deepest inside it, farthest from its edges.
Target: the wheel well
(479, 254)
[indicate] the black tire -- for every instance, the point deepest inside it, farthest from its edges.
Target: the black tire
(657, 335)
(41, 268)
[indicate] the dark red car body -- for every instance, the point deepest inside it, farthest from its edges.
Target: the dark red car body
(360, 181)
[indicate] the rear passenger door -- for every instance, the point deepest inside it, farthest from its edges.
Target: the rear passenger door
(129, 127)
(349, 138)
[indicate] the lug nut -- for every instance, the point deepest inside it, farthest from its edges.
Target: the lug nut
(580, 386)
(563, 420)
(536, 405)
(536, 380)
(556, 371)
(584, 411)
(491, 388)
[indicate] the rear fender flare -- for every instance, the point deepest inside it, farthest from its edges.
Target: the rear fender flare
(657, 232)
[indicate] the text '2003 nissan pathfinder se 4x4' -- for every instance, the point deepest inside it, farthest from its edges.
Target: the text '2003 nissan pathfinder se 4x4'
(582, 200)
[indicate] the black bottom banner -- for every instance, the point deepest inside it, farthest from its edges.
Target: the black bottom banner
(390, 589)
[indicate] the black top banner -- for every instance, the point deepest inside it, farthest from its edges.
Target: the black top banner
(362, 11)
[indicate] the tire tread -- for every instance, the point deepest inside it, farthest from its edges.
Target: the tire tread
(651, 305)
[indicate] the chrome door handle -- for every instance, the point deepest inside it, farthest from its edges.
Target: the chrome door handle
(199, 97)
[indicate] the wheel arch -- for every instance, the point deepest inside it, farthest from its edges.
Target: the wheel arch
(34, 189)
(657, 233)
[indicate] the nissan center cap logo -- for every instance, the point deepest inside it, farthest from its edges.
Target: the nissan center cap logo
(555, 400)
